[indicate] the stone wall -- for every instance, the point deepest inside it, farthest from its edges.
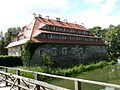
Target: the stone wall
(64, 54)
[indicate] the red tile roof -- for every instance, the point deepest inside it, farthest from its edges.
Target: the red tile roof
(45, 21)
(60, 23)
(33, 29)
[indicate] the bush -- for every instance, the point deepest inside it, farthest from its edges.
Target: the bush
(47, 60)
(69, 71)
(10, 61)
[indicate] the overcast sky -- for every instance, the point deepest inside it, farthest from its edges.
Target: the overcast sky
(102, 13)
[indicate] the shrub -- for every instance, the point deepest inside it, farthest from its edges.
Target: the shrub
(69, 71)
(10, 61)
(47, 60)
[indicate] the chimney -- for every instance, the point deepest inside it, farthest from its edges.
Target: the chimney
(82, 24)
(34, 14)
(47, 17)
(57, 19)
(39, 15)
(75, 22)
(65, 20)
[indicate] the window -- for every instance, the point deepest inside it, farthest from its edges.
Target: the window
(91, 39)
(64, 51)
(87, 50)
(73, 50)
(67, 30)
(98, 50)
(63, 37)
(64, 29)
(80, 38)
(41, 51)
(60, 29)
(42, 36)
(50, 27)
(86, 39)
(54, 51)
(50, 36)
(47, 27)
(54, 28)
(76, 38)
(81, 50)
(75, 31)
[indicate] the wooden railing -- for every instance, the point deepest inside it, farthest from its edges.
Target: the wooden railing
(77, 82)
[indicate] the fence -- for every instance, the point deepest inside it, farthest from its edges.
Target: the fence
(77, 82)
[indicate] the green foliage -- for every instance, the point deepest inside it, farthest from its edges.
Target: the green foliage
(115, 44)
(2, 49)
(69, 71)
(27, 52)
(4, 41)
(47, 60)
(10, 61)
(10, 34)
(111, 36)
(97, 30)
(25, 55)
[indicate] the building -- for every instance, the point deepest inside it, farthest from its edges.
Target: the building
(63, 40)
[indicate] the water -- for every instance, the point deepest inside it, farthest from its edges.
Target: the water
(108, 74)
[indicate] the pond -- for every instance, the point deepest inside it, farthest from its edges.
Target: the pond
(108, 74)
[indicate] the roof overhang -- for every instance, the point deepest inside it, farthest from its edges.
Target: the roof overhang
(20, 42)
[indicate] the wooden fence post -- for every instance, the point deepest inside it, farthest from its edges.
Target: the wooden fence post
(37, 78)
(77, 85)
(6, 83)
(18, 80)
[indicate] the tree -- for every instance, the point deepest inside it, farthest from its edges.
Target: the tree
(97, 30)
(110, 36)
(4, 41)
(115, 43)
(1, 34)
(11, 33)
(2, 49)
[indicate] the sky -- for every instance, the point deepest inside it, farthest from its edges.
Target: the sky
(15, 13)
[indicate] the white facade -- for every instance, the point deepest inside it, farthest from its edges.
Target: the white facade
(14, 51)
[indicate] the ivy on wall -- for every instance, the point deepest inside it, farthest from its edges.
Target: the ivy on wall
(28, 51)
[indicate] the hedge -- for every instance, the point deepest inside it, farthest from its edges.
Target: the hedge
(10, 61)
(65, 72)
